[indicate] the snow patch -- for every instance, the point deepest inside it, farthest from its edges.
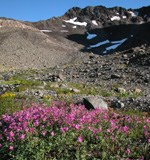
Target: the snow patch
(120, 41)
(63, 31)
(99, 44)
(91, 36)
(117, 13)
(74, 27)
(124, 17)
(94, 22)
(134, 14)
(141, 22)
(115, 44)
(63, 26)
(46, 31)
(117, 18)
(1, 26)
(72, 21)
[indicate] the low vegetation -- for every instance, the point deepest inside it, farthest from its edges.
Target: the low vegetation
(72, 132)
(57, 130)
(8, 103)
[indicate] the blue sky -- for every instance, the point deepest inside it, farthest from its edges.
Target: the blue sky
(34, 10)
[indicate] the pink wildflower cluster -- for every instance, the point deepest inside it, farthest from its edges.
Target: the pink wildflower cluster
(41, 120)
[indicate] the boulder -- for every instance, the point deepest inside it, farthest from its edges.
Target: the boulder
(94, 102)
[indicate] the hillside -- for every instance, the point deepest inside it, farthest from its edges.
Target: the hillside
(58, 40)
(24, 47)
(105, 50)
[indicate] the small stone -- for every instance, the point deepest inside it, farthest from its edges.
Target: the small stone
(55, 85)
(121, 90)
(125, 56)
(6, 77)
(75, 90)
(59, 80)
(117, 104)
(91, 56)
(44, 83)
(39, 93)
(137, 90)
(40, 87)
(63, 86)
(115, 76)
(61, 77)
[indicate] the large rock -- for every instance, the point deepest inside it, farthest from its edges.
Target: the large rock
(94, 102)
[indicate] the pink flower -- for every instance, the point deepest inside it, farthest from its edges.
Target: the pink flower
(100, 129)
(124, 129)
(0, 145)
(36, 123)
(108, 130)
(146, 133)
(145, 127)
(64, 129)
(24, 124)
(31, 130)
(52, 133)
(26, 129)
(43, 133)
(77, 126)
(147, 120)
(80, 139)
(94, 131)
(11, 148)
(113, 138)
(149, 140)
(113, 124)
(89, 127)
(22, 136)
(11, 134)
(128, 151)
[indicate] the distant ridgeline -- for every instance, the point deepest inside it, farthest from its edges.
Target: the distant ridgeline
(97, 29)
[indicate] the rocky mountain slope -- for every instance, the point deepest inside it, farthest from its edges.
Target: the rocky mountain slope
(107, 48)
(58, 40)
(23, 47)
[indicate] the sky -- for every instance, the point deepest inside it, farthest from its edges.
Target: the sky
(35, 10)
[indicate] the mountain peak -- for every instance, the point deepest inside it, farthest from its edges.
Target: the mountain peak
(103, 16)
